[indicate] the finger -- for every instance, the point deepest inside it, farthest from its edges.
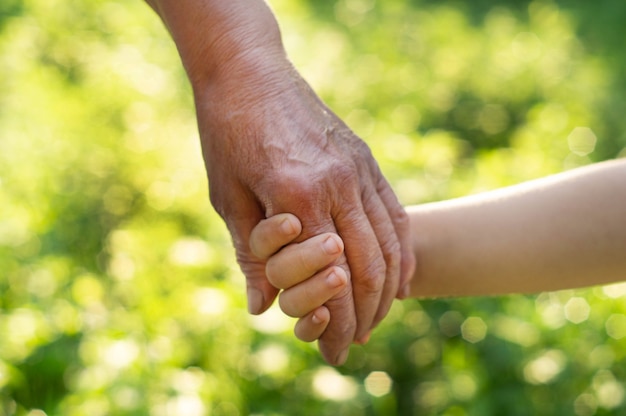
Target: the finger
(313, 292)
(241, 218)
(401, 224)
(334, 342)
(364, 340)
(298, 262)
(366, 263)
(312, 326)
(390, 247)
(311, 199)
(271, 234)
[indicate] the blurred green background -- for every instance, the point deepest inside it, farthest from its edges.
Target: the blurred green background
(119, 293)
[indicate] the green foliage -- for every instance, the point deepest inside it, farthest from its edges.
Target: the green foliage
(119, 289)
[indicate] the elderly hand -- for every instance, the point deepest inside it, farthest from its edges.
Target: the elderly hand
(270, 146)
(276, 149)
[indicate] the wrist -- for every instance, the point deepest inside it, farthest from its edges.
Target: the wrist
(243, 44)
(243, 66)
(242, 80)
(219, 39)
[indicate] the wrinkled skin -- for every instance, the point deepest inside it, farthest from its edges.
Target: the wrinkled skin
(291, 154)
(271, 146)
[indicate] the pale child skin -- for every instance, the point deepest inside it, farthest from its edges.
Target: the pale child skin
(563, 231)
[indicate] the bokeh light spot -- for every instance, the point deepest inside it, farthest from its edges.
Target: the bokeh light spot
(551, 310)
(450, 323)
(188, 405)
(515, 330)
(616, 326)
(211, 301)
(608, 390)
(272, 321)
(545, 368)
(474, 329)
(424, 351)
(616, 290)
(87, 290)
(188, 381)
(160, 195)
(329, 384)
(127, 398)
(271, 358)
(190, 252)
(585, 405)
(493, 119)
(602, 356)
(378, 383)
(432, 395)
(577, 310)
(463, 386)
(42, 283)
(582, 141)
(122, 266)
(418, 322)
(121, 354)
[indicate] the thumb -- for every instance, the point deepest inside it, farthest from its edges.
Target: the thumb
(240, 222)
(260, 293)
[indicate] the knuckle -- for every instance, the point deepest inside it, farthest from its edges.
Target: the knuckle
(347, 181)
(392, 253)
(294, 192)
(298, 183)
(311, 181)
(339, 332)
(311, 193)
(400, 218)
(372, 279)
(343, 326)
(344, 173)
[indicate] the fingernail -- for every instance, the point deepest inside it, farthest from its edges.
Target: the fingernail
(316, 320)
(334, 279)
(287, 227)
(331, 246)
(342, 357)
(255, 301)
(364, 339)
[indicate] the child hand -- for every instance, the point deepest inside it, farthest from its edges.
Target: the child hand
(303, 270)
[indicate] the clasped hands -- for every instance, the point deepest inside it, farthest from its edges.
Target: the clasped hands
(292, 154)
(271, 146)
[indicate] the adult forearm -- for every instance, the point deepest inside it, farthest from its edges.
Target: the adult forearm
(219, 39)
(565, 231)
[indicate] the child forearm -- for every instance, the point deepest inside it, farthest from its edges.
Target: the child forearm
(564, 231)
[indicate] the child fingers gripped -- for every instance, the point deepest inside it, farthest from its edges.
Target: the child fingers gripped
(303, 270)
